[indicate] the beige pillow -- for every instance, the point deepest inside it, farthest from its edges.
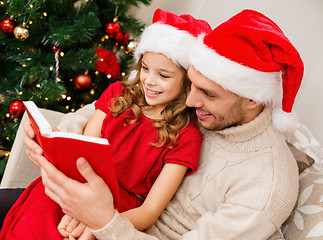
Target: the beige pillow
(278, 235)
(303, 160)
(306, 221)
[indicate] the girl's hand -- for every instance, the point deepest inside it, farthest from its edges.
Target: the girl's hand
(71, 228)
(90, 202)
(67, 225)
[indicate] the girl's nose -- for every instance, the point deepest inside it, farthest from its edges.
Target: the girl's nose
(150, 80)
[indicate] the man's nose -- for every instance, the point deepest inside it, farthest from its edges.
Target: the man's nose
(193, 99)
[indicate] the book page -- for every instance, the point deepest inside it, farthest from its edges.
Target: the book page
(43, 124)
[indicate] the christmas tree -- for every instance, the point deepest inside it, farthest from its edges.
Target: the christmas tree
(61, 54)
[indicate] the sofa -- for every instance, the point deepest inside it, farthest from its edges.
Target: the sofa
(305, 222)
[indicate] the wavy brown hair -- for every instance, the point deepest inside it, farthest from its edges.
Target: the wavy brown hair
(176, 115)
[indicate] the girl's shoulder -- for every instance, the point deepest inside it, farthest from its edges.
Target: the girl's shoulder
(114, 90)
(191, 130)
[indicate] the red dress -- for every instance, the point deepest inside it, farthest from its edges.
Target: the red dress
(138, 164)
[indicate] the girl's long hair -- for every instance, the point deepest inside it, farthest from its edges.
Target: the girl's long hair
(176, 115)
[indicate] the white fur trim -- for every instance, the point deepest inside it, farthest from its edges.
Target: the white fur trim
(132, 75)
(262, 87)
(168, 40)
(284, 121)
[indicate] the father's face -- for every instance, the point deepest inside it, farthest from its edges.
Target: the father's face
(216, 108)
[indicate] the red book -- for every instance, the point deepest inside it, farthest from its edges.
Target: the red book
(62, 149)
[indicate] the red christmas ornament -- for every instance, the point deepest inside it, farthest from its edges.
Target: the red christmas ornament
(7, 25)
(121, 38)
(82, 82)
(16, 108)
(107, 63)
(112, 29)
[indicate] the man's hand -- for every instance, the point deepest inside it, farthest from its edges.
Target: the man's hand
(33, 148)
(90, 202)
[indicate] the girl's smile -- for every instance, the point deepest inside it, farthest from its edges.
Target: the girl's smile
(161, 79)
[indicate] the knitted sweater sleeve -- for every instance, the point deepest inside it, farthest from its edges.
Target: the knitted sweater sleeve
(120, 228)
(223, 225)
(232, 221)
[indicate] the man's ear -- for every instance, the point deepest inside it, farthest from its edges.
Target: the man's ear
(251, 104)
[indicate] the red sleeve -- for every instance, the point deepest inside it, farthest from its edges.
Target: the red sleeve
(187, 151)
(114, 90)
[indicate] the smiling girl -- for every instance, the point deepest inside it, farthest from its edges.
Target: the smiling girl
(150, 128)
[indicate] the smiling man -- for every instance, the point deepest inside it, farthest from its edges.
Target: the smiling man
(247, 181)
(217, 108)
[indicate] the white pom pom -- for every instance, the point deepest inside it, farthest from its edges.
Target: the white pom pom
(132, 75)
(284, 121)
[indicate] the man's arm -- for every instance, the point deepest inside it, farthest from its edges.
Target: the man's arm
(229, 222)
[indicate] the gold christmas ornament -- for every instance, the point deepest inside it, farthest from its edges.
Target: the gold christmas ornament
(21, 32)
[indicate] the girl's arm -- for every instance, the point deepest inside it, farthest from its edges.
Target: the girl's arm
(93, 127)
(159, 196)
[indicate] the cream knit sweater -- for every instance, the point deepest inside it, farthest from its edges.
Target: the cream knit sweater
(245, 188)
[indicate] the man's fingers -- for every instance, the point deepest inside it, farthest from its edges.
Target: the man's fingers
(28, 129)
(53, 196)
(88, 173)
(32, 145)
(52, 174)
(52, 190)
(31, 157)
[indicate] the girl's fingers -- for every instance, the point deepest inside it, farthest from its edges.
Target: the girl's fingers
(63, 224)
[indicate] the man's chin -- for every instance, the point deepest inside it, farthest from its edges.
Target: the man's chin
(210, 127)
(205, 125)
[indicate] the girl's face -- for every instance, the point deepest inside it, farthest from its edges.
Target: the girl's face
(161, 79)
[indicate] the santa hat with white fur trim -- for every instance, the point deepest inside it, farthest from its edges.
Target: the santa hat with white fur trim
(172, 36)
(249, 55)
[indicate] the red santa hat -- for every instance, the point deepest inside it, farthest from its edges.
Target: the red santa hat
(249, 55)
(171, 35)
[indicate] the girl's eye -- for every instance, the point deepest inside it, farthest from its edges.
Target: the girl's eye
(164, 76)
(144, 68)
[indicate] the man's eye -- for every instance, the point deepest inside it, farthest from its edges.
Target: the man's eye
(207, 94)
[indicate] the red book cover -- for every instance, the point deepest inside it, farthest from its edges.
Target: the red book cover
(62, 149)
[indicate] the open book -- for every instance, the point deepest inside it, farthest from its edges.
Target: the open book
(62, 149)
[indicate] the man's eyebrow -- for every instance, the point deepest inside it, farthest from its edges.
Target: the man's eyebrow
(208, 90)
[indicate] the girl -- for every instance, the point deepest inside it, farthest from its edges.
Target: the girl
(148, 124)
(154, 140)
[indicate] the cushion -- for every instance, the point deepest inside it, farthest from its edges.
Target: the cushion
(306, 221)
(278, 235)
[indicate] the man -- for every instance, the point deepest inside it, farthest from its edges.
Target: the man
(247, 181)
